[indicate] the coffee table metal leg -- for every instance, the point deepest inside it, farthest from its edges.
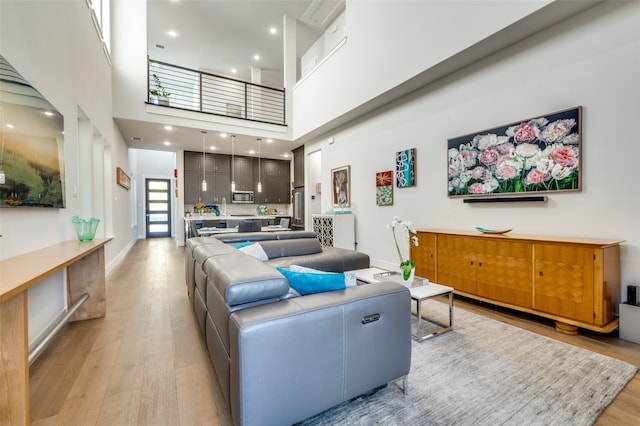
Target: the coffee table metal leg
(419, 336)
(451, 309)
(419, 325)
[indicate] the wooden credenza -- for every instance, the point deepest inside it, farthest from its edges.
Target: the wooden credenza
(573, 281)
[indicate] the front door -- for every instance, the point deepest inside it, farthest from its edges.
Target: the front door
(158, 207)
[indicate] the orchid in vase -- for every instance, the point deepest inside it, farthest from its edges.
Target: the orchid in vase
(404, 228)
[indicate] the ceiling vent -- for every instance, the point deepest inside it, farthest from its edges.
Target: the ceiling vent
(136, 139)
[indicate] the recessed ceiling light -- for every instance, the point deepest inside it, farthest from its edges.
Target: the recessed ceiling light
(233, 70)
(256, 57)
(212, 148)
(252, 151)
(172, 33)
(48, 113)
(269, 140)
(286, 155)
(11, 126)
(169, 128)
(167, 143)
(273, 30)
(223, 135)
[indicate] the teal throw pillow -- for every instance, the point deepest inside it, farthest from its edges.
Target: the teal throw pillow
(246, 243)
(308, 283)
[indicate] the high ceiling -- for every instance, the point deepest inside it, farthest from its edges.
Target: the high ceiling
(217, 36)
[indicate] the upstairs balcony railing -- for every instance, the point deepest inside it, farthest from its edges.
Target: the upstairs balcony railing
(187, 89)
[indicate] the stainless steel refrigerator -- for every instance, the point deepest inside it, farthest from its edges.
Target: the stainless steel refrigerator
(297, 221)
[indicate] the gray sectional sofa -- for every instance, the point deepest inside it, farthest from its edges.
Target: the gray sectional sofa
(281, 358)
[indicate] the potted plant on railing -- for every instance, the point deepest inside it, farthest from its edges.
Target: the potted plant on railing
(159, 95)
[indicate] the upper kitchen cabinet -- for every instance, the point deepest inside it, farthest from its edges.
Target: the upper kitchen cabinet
(274, 176)
(243, 170)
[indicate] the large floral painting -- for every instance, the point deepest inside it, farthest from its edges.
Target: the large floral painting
(536, 155)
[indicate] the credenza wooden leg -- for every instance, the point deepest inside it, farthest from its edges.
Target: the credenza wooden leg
(14, 366)
(564, 328)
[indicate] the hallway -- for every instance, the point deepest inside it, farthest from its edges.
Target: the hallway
(144, 364)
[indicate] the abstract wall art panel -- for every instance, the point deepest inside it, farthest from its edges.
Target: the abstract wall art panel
(341, 186)
(406, 168)
(384, 188)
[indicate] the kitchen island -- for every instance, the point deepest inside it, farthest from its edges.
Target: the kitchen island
(223, 223)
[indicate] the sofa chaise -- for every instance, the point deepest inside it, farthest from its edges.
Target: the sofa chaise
(280, 357)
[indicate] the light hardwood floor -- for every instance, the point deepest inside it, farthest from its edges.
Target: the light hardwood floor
(146, 363)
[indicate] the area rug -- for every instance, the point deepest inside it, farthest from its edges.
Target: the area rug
(486, 372)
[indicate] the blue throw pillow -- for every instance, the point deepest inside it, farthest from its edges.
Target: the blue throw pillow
(307, 283)
(245, 244)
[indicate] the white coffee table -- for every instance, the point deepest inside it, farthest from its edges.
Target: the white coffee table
(418, 294)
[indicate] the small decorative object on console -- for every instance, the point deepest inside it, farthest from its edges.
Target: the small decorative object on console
(86, 229)
(493, 231)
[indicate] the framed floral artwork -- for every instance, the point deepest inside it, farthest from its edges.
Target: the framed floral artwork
(541, 154)
(384, 188)
(406, 168)
(341, 186)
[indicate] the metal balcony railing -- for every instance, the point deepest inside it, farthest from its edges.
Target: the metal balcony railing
(193, 90)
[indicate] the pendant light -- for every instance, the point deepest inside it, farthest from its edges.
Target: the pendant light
(259, 183)
(204, 164)
(233, 153)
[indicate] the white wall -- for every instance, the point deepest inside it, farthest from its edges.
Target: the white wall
(390, 42)
(56, 47)
(335, 32)
(591, 60)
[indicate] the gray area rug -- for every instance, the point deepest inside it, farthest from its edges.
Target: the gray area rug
(489, 373)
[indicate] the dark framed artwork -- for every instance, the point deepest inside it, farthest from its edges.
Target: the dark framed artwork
(540, 154)
(122, 178)
(32, 149)
(384, 188)
(406, 168)
(341, 186)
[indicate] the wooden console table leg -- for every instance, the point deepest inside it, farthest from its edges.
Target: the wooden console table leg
(87, 275)
(14, 364)
(566, 328)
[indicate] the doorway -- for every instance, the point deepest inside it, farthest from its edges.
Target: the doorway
(158, 207)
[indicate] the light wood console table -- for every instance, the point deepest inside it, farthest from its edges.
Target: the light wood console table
(85, 274)
(573, 281)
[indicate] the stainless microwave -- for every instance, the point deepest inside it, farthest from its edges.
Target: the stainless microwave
(242, 197)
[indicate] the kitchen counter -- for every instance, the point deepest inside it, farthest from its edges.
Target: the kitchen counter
(210, 220)
(212, 216)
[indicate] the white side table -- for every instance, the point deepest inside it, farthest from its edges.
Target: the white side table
(418, 294)
(425, 292)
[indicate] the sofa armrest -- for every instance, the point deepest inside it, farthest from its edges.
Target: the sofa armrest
(295, 358)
